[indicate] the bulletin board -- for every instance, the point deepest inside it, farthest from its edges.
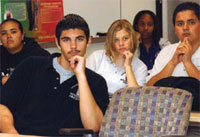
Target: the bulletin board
(98, 13)
(38, 17)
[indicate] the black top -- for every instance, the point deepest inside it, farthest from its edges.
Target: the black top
(40, 104)
(10, 61)
(149, 57)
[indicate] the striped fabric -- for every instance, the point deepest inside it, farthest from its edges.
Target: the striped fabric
(147, 112)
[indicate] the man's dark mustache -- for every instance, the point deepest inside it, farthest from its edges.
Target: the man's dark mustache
(73, 51)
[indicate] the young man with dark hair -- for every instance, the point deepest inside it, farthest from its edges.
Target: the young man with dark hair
(183, 58)
(55, 92)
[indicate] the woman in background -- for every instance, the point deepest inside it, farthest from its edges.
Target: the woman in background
(150, 43)
(117, 63)
(15, 47)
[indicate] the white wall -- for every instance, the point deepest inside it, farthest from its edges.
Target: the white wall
(165, 19)
(99, 14)
(129, 8)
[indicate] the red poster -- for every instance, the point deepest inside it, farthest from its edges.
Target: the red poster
(47, 14)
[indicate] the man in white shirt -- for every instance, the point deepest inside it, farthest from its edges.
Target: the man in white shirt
(178, 65)
(183, 58)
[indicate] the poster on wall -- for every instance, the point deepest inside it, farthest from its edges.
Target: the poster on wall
(37, 16)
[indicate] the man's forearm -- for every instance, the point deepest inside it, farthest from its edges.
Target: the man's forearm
(192, 70)
(6, 120)
(165, 72)
(91, 114)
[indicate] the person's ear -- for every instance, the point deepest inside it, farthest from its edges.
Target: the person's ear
(57, 44)
(89, 41)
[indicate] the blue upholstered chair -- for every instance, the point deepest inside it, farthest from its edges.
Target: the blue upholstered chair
(147, 112)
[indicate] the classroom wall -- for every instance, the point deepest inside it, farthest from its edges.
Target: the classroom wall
(129, 9)
(99, 14)
(165, 19)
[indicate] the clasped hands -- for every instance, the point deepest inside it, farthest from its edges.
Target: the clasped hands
(183, 52)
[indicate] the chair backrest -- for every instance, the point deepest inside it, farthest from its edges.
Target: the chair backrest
(146, 112)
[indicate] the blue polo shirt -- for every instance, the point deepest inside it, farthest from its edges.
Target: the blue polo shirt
(40, 104)
(149, 57)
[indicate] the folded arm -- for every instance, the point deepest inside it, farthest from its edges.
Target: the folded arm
(187, 52)
(165, 72)
(192, 70)
(183, 54)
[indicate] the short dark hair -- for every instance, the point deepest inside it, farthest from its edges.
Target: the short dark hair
(187, 6)
(156, 32)
(16, 21)
(72, 21)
